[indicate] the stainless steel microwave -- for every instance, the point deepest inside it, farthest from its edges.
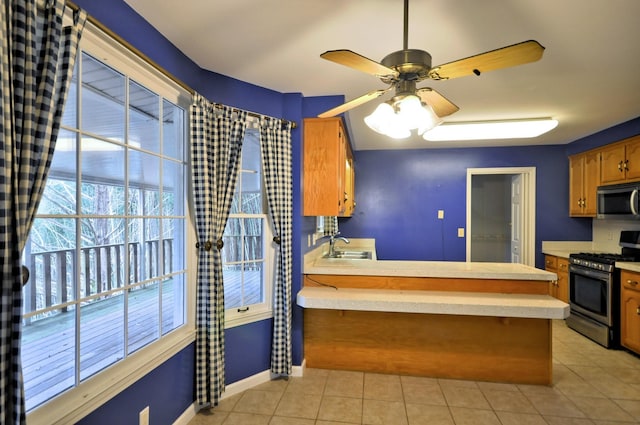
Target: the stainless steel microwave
(618, 201)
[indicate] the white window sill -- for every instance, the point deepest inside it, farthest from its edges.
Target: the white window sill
(78, 402)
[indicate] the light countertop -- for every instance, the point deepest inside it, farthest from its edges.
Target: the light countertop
(434, 302)
(627, 265)
(315, 264)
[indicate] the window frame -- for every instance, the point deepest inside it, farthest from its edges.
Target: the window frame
(77, 402)
(260, 311)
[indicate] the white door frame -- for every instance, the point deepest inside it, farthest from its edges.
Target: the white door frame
(528, 208)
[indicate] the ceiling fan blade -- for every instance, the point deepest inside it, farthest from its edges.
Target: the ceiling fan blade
(516, 54)
(353, 103)
(440, 104)
(359, 62)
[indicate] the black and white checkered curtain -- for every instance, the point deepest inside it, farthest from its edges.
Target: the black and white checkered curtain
(216, 142)
(330, 226)
(275, 143)
(38, 56)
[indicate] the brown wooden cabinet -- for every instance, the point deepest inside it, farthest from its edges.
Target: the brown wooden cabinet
(621, 161)
(560, 266)
(328, 172)
(630, 310)
(584, 179)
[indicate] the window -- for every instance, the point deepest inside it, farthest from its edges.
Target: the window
(247, 252)
(107, 248)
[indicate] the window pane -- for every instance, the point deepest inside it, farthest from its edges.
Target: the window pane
(253, 239)
(144, 315)
(101, 333)
(232, 238)
(59, 195)
(50, 257)
(243, 284)
(232, 275)
(144, 170)
(253, 283)
(144, 125)
(101, 256)
(173, 302)
(172, 183)
(173, 130)
(102, 199)
(70, 111)
(103, 97)
(102, 168)
(48, 355)
(152, 248)
(173, 244)
(251, 175)
(136, 236)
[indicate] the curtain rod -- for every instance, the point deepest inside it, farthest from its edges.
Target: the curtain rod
(163, 71)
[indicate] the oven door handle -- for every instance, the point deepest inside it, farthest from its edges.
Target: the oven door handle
(596, 274)
(633, 201)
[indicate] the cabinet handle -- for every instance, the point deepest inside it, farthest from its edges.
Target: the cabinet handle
(638, 310)
(626, 165)
(632, 282)
(620, 166)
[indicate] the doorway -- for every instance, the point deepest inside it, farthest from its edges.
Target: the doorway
(501, 215)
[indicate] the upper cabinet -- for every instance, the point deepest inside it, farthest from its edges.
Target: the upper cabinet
(328, 173)
(616, 163)
(584, 179)
(621, 162)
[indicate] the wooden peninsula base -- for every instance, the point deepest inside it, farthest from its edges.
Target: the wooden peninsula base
(477, 329)
(514, 350)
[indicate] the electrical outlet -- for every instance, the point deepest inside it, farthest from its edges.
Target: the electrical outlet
(143, 418)
(440, 214)
(308, 240)
(461, 232)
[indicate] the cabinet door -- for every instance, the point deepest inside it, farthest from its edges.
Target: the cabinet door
(576, 171)
(630, 314)
(551, 265)
(349, 187)
(324, 173)
(613, 159)
(562, 287)
(632, 159)
(590, 183)
(630, 310)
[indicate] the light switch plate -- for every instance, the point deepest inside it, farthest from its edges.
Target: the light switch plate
(461, 232)
(440, 214)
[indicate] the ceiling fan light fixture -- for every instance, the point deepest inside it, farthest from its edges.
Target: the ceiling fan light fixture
(491, 130)
(417, 115)
(384, 120)
(406, 114)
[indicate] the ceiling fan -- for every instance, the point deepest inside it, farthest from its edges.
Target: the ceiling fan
(403, 69)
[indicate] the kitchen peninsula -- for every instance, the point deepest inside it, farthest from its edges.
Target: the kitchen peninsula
(460, 320)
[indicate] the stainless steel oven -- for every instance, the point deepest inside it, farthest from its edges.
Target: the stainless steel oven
(594, 296)
(594, 290)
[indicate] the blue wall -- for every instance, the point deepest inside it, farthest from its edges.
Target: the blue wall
(399, 193)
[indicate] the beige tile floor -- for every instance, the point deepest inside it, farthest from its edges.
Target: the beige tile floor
(591, 386)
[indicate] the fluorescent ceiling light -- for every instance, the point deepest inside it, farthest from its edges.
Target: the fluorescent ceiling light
(489, 130)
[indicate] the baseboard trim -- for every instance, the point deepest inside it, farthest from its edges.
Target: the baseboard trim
(237, 388)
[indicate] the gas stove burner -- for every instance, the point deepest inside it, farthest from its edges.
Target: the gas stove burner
(605, 258)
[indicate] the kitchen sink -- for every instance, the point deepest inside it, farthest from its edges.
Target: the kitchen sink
(351, 255)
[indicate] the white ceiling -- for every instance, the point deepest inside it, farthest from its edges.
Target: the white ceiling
(588, 77)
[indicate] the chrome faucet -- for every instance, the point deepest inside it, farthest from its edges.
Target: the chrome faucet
(332, 242)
